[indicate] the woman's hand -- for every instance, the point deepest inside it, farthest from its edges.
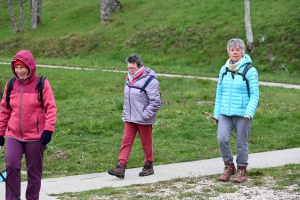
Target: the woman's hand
(2, 140)
(246, 117)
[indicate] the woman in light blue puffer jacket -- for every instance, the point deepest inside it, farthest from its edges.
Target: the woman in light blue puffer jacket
(141, 103)
(235, 107)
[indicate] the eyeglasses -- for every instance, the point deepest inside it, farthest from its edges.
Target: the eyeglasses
(131, 68)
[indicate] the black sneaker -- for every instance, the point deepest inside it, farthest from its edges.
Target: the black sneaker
(119, 171)
(147, 169)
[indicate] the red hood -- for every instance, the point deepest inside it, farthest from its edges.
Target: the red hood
(27, 57)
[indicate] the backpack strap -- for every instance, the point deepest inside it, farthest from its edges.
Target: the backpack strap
(9, 89)
(145, 85)
(225, 73)
(244, 77)
(241, 74)
(245, 72)
(40, 87)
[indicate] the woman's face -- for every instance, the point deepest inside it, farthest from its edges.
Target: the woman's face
(235, 54)
(21, 71)
(132, 68)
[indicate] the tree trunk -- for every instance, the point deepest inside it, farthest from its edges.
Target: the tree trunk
(39, 11)
(12, 16)
(105, 9)
(249, 34)
(21, 15)
(115, 5)
(33, 14)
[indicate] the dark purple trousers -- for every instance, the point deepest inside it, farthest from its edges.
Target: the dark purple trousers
(34, 155)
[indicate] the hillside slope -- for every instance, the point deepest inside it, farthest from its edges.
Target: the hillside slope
(174, 36)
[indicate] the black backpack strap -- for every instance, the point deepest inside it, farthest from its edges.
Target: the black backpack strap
(245, 79)
(10, 84)
(242, 74)
(40, 87)
(245, 71)
(225, 73)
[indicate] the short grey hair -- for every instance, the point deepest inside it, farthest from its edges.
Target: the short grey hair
(236, 42)
(135, 58)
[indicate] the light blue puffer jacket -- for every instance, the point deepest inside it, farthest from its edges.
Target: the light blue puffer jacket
(232, 94)
(141, 107)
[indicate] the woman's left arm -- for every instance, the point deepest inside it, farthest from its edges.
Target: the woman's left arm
(153, 94)
(50, 107)
(254, 92)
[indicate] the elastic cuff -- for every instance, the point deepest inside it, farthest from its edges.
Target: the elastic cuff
(49, 128)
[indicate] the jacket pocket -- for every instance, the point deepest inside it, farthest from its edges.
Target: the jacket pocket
(37, 126)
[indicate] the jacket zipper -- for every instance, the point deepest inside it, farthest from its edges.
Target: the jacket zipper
(21, 110)
(230, 96)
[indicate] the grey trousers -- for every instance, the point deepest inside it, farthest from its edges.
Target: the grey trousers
(242, 128)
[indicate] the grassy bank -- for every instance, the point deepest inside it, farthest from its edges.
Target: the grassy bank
(185, 37)
(179, 37)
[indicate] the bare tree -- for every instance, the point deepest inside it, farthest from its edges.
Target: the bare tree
(115, 5)
(106, 6)
(39, 11)
(33, 14)
(21, 15)
(105, 9)
(12, 16)
(249, 34)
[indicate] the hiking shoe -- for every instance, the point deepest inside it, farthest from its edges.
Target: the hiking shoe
(147, 169)
(119, 171)
(240, 175)
(229, 169)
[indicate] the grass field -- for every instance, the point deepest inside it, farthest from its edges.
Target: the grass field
(176, 37)
(89, 126)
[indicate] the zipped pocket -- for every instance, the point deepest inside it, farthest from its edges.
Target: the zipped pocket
(37, 125)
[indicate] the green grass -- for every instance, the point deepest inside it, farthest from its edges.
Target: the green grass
(89, 127)
(179, 37)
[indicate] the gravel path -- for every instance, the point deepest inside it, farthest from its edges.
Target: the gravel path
(203, 188)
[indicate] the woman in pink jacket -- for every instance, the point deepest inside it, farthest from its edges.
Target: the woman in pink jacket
(26, 125)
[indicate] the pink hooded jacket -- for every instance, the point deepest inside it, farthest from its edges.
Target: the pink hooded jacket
(25, 119)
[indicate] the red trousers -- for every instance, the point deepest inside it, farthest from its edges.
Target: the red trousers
(130, 131)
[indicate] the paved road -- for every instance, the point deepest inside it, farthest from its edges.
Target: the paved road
(162, 172)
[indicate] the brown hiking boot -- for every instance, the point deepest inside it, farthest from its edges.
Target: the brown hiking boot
(119, 171)
(229, 169)
(147, 169)
(241, 176)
